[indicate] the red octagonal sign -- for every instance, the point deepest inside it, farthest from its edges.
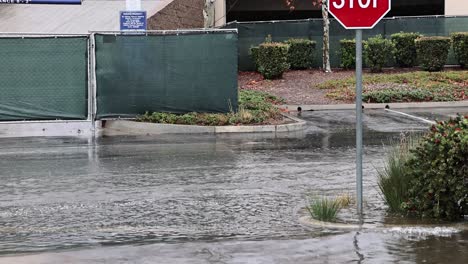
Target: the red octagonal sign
(359, 14)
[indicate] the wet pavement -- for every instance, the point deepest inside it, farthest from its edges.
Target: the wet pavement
(204, 198)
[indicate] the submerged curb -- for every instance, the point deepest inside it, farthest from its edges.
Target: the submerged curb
(455, 104)
(130, 127)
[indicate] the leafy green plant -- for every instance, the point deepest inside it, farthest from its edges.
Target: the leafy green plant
(432, 52)
(273, 59)
(301, 53)
(438, 167)
(255, 107)
(324, 209)
(376, 52)
(406, 95)
(394, 179)
(460, 47)
(348, 53)
(405, 48)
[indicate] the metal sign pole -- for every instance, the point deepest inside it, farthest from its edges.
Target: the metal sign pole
(359, 119)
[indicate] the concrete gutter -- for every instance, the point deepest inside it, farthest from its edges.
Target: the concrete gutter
(378, 106)
(129, 127)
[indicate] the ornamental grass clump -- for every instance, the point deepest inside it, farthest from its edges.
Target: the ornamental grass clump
(301, 53)
(405, 48)
(394, 179)
(324, 209)
(438, 168)
(460, 47)
(432, 52)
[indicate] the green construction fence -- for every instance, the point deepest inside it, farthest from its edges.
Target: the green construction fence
(43, 78)
(171, 71)
(253, 33)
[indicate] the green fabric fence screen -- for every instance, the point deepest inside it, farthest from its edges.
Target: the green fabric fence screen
(174, 72)
(43, 78)
(253, 33)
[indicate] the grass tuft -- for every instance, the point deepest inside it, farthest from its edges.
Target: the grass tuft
(324, 209)
(393, 179)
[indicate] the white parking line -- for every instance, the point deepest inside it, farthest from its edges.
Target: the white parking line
(412, 116)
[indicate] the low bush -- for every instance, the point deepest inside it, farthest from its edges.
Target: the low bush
(376, 52)
(301, 53)
(405, 48)
(348, 53)
(324, 209)
(273, 59)
(254, 108)
(438, 167)
(432, 52)
(254, 56)
(460, 47)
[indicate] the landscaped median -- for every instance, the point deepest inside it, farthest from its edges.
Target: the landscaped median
(257, 112)
(402, 87)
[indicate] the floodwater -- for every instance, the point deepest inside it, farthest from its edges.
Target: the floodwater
(207, 199)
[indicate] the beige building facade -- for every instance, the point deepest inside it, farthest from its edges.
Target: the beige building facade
(456, 7)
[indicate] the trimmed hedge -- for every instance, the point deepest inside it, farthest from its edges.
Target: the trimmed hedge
(254, 55)
(273, 59)
(301, 53)
(460, 47)
(348, 53)
(438, 169)
(405, 48)
(376, 52)
(432, 52)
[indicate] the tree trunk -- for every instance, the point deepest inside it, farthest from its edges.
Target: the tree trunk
(209, 14)
(326, 37)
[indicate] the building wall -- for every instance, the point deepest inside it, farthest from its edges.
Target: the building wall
(456, 7)
(220, 13)
(179, 14)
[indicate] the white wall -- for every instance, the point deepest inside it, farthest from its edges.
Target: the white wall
(220, 12)
(456, 7)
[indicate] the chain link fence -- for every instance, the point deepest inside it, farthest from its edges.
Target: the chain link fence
(253, 33)
(43, 78)
(166, 71)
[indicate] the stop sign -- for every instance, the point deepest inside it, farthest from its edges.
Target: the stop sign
(359, 14)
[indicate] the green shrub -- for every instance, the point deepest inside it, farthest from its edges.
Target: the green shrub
(432, 52)
(460, 47)
(405, 48)
(301, 52)
(439, 171)
(376, 52)
(394, 180)
(273, 59)
(255, 107)
(324, 209)
(348, 53)
(406, 95)
(254, 56)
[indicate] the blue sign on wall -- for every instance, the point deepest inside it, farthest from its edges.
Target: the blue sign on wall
(42, 2)
(133, 20)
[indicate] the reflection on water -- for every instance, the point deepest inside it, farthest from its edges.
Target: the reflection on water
(228, 198)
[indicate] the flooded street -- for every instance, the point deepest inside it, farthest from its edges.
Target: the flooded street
(206, 198)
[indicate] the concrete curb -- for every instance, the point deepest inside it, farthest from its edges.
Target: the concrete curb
(46, 129)
(128, 127)
(378, 106)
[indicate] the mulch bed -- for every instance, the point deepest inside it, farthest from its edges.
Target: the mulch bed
(300, 87)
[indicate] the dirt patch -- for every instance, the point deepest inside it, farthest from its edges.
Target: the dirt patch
(296, 87)
(301, 87)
